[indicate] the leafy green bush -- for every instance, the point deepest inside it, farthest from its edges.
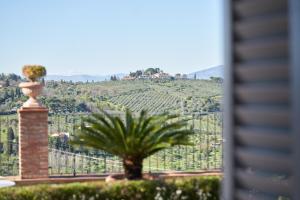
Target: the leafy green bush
(190, 188)
(34, 72)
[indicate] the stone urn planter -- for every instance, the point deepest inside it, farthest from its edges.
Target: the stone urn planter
(32, 90)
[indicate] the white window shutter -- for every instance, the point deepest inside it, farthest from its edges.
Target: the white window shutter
(262, 99)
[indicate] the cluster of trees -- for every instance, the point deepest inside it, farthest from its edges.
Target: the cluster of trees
(136, 74)
(211, 105)
(10, 94)
(64, 105)
(217, 79)
(152, 71)
(9, 98)
(113, 78)
(148, 71)
(13, 77)
(9, 79)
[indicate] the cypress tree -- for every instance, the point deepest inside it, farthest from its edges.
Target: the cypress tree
(7, 83)
(10, 139)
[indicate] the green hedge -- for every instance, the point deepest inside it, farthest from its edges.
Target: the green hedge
(193, 188)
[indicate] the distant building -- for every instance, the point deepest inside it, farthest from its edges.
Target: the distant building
(128, 78)
(147, 76)
(61, 135)
(144, 77)
(2, 84)
(161, 75)
(177, 76)
(181, 76)
(184, 76)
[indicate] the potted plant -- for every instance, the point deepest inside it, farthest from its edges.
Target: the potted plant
(133, 139)
(34, 87)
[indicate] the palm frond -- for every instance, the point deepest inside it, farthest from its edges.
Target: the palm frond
(133, 136)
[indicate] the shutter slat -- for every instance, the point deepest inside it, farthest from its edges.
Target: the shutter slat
(264, 138)
(248, 8)
(263, 116)
(270, 71)
(262, 93)
(271, 185)
(270, 48)
(251, 195)
(261, 26)
(264, 160)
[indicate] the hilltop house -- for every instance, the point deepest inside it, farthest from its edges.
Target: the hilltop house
(181, 76)
(61, 136)
(161, 75)
(177, 76)
(128, 78)
(144, 77)
(2, 84)
(184, 76)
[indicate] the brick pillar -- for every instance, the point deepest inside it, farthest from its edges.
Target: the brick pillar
(33, 143)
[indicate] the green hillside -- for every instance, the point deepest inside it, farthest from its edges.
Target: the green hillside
(69, 101)
(155, 96)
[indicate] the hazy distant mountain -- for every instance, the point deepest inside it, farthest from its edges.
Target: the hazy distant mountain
(82, 77)
(217, 71)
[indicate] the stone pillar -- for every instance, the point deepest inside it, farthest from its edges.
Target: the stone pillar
(33, 143)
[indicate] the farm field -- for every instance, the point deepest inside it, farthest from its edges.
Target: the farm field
(199, 101)
(155, 96)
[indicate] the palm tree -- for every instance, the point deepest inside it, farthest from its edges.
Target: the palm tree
(133, 139)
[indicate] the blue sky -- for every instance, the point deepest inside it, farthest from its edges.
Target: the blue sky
(110, 36)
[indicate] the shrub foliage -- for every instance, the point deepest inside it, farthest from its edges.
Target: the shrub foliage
(192, 188)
